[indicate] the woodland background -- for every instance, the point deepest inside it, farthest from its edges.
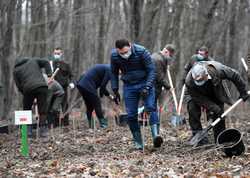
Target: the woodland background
(87, 29)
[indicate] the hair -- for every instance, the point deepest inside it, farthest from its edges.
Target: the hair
(203, 48)
(170, 48)
(58, 48)
(121, 43)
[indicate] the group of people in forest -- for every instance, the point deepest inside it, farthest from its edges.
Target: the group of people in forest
(143, 76)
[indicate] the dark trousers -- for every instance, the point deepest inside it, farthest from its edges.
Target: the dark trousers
(213, 110)
(65, 106)
(54, 110)
(41, 95)
(92, 102)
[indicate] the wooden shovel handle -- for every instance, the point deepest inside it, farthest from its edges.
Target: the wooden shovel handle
(53, 75)
(181, 99)
(172, 88)
(228, 110)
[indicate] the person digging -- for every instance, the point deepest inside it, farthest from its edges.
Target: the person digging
(204, 84)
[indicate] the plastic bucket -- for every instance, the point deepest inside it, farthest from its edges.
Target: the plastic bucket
(230, 140)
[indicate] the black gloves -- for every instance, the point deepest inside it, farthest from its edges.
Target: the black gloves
(166, 87)
(183, 81)
(103, 91)
(117, 97)
(244, 96)
(144, 93)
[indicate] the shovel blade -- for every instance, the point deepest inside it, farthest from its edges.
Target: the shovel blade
(198, 137)
(177, 120)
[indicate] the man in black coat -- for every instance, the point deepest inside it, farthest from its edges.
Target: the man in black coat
(95, 78)
(204, 84)
(31, 83)
(64, 77)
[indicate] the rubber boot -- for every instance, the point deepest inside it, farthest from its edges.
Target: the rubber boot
(44, 131)
(158, 129)
(30, 134)
(136, 132)
(103, 122)
(157, 139)
(91, 123)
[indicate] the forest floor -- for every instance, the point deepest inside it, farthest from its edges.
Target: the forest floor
(81, 152)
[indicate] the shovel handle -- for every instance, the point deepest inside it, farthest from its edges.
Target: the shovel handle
(172, 88)
(228, 110)
(181, 99)
(53, 75)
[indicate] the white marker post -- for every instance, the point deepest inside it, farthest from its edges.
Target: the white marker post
(24, 118)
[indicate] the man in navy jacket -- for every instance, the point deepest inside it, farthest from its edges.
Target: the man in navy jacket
(138, 74)
(96, 77)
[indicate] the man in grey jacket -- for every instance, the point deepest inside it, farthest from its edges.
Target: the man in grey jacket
(204, 84)
(161, 60)
(31, 83)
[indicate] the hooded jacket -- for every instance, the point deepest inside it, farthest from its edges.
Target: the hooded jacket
(28, 73)
(218, 73)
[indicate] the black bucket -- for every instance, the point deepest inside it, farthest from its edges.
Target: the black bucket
(231, 142)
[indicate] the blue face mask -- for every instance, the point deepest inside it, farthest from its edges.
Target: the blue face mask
(200, 57)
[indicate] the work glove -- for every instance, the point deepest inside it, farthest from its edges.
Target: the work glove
(117, 97)
(103, 91)
(144, 93)
(166, 87)
(244, 96)
(71, 85)
(214, 112)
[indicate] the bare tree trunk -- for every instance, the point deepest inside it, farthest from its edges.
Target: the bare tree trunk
(6, 37)
(77, 35)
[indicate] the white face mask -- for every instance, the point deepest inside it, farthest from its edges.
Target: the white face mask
(200, 83)
(200, 57)
(126, 55)
(57, 56)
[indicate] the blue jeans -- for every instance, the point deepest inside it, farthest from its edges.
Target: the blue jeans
(131, 94)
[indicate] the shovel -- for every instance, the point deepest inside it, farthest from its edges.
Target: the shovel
(176, 119)
(172, 88)
(37, 119)
(200, 135)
